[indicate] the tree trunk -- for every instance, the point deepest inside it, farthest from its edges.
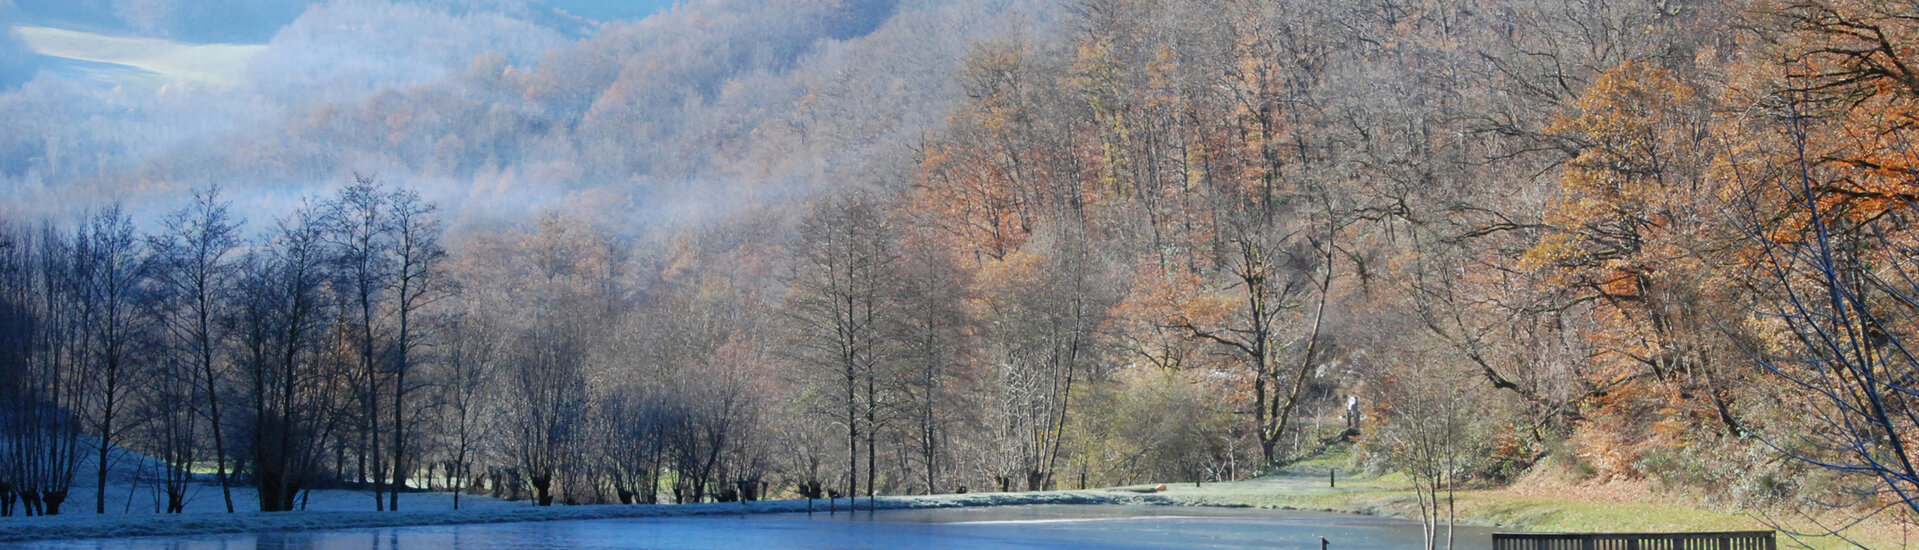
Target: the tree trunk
(100, 491)
(542, 489)
(219, 448)
(852, 434)
(50, 502)
(459, 471)
(399, 434)
(872, 435)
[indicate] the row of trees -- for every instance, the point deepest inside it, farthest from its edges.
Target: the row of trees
(201, 349)
(549, 362)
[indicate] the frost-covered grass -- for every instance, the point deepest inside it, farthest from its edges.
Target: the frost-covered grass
(145, 499)
(133, 488)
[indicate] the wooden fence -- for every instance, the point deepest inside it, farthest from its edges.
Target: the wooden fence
(1737, 540)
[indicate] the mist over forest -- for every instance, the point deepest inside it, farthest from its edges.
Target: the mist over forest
(579, 252)
(495, 109)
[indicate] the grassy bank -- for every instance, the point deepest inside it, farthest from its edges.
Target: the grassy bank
(1553, 508)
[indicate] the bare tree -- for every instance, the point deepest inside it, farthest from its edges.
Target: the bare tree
(1427, 431)
(931, 332)
(110, 271)
(468, 363)
(416, 283)
(42, 431)
(357, 231)
(636, 444)
(1044, 324)
(712, 410)
(16, 350)
(195, 275)
(1274, 274)
(548, 393)
(549, 398)
(169, 429)
(282, 331)
(65, 384)
(841, 267)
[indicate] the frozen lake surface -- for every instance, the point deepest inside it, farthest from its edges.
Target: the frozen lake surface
(1040, 526)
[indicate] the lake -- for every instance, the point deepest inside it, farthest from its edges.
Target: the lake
(1040, 526)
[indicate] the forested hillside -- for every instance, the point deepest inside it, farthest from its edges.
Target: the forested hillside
(743, 250)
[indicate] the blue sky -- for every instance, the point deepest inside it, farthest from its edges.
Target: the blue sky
(255, 21)
(85, 40)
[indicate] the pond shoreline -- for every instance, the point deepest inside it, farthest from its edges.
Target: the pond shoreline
(78, 526)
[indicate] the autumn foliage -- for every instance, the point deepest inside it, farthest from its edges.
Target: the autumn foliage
(1163, 240)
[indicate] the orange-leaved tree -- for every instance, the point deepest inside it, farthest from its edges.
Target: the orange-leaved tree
(1632, 240)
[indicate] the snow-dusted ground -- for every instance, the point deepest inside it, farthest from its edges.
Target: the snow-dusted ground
(203, 497)
(417, 509)
(133, 489)
(143, 499)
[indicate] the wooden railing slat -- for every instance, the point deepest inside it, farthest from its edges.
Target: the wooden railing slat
(1732, 540)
